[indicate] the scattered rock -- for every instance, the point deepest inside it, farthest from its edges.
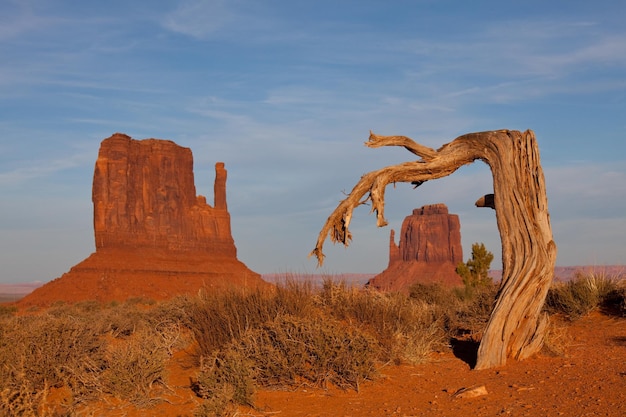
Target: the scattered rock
(471, 392)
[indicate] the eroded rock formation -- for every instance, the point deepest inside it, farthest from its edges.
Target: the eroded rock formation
(428, 252)
(154, 236)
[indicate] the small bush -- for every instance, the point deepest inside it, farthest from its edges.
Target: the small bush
(51, 351)
(475, 272)
(614, 303)
(393, 319)
(224, 381)
(7, 310)
(218, 319)
(292, 350)
(135, 366)
(430, 293)
(23, 400)
(582, 295)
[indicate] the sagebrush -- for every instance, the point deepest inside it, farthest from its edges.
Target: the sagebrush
(294, 334)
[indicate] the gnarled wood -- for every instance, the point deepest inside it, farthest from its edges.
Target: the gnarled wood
(516, 326)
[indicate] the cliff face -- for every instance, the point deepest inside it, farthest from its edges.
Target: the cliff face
(428, 252)
(431, 235)
(154, 236)
(144, 196)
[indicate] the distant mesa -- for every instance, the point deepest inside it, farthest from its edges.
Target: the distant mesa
(428, 252)
(154, 236)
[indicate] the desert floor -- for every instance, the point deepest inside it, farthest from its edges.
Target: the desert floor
(589, 379)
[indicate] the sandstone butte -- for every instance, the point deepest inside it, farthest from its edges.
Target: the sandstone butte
(154, 237)
(428, 252)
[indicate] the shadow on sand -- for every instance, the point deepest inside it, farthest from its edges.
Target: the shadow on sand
(465, 350)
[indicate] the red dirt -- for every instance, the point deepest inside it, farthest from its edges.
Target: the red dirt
(589, 380)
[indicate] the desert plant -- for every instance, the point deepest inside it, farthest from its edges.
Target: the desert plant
(472, 312)
(224, 381)
(7, 310)
(393, 319)
(435, 294)
(475, 272)
(48, 349)
(614, 303)
(557, 339)
(22, 400)
(292, 350)
(134, 367)
(219, 318)
(581, 295)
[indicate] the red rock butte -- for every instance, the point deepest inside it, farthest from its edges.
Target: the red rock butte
(428, 252)
(154, 236)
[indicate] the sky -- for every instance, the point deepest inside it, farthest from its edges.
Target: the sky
(286, 92)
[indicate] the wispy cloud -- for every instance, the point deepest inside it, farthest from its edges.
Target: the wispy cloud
(17, 18)
(29, 170)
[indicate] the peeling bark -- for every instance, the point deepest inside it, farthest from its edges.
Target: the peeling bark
(517, 326)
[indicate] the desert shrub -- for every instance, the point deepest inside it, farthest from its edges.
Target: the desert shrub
(292, 350)
(177, 309)
(20, 400)
(430, 293)
(403, 326)
(7, 310)
(48, 349)
(42, 352)
(581, 295)
(90, 349)
(470, 316)
(285, 352)
(224, 381)
(219, 318)
(135, 366)
(614, 303)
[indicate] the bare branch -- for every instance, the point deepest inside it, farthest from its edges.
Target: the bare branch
(374, 183)
(377, 141)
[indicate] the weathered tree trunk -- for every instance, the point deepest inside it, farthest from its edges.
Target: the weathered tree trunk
(516, 326)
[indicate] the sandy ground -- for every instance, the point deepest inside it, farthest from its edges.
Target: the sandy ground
(588, 380)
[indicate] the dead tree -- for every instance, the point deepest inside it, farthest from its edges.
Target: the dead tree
(517, 326)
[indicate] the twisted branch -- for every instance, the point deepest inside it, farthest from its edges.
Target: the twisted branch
(433, 164)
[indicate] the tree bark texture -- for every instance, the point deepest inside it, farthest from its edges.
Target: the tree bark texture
(517, 325)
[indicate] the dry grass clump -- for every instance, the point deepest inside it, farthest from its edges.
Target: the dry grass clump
(408, 330)
(586, 293)
(219, 318)
(557, 339)
(88, 349)
(463, 311)
(48, 351)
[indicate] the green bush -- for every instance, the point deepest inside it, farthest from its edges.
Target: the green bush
(475, 272)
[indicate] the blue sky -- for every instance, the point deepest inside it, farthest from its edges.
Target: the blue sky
(285, 93)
